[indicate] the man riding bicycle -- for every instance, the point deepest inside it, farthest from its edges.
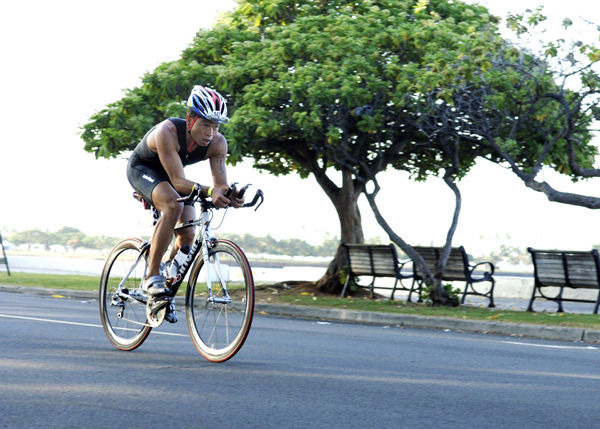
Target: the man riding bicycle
(156, 172)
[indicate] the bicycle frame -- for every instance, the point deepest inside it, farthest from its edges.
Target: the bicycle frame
(204, 241)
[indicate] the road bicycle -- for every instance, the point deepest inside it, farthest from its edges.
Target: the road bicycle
(219, 299)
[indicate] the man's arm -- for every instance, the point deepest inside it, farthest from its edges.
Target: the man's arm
(164, 141)
(219, 173)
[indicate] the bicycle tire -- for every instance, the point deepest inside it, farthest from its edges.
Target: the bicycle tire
(218, 331)
(129, 330)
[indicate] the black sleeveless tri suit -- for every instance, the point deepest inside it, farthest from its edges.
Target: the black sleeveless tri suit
(145, 171)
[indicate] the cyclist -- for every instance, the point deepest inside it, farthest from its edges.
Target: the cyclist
(156, 171)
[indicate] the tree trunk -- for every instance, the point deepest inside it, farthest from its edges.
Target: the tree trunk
(440, 296)
(345, 201)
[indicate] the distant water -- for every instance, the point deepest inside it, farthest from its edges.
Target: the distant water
(93, 267)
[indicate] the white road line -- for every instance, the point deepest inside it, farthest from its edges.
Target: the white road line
(550, 346)
(66, 322)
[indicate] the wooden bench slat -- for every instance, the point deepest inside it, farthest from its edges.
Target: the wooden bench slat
(382, 261)
(457, 268)
(374, 260)
(565, 268)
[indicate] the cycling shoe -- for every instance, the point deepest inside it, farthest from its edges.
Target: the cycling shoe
(155, 285)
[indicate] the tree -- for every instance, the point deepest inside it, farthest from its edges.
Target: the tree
(32, 236)
(321, 88)
(561, 97)
(547, 121)
(522, 110)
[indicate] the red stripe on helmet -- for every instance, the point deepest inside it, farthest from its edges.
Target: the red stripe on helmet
(215, 97)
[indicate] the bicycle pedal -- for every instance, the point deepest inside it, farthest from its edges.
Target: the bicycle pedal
(155, 311)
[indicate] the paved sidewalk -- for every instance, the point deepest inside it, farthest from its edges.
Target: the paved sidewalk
(404, 320)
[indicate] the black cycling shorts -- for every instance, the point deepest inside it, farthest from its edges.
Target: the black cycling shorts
(144, 178)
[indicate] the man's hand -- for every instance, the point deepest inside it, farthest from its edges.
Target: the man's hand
(220, 200)
(236, 200)
(218, 197)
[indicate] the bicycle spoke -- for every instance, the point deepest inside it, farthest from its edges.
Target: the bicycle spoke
(123, 317)
(219, 319)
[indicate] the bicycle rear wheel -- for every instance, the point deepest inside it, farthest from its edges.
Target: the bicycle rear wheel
(124, 317)
(219, 328)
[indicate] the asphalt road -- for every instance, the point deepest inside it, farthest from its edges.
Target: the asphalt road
(57, 370)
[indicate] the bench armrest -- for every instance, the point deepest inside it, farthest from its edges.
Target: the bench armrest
(487, 274)
(401, 265)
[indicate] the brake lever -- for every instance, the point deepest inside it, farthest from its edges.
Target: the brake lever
(230, 189)
(242, 191)
(259, 195)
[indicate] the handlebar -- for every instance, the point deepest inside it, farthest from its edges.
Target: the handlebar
(259, 195)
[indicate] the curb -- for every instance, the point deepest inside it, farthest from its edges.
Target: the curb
(428, 322)
(375, 318)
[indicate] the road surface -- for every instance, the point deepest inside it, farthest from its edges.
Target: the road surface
(58, 370)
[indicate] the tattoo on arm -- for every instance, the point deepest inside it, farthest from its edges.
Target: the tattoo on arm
(219, 171)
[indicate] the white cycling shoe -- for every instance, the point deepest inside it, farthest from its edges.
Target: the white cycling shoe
(155, 285)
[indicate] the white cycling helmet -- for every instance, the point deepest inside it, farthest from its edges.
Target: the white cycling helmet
(209, 104)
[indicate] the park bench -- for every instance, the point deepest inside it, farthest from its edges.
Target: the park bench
(375, 260)
(457, 268)
(564, 268)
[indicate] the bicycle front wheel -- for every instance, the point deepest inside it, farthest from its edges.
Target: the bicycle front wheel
(219, 324)
(123, 316)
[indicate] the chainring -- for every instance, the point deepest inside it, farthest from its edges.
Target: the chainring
(155, 312)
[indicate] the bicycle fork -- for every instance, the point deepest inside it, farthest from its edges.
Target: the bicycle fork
(216, 267)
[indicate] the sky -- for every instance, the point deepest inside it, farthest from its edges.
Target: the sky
(64, 60)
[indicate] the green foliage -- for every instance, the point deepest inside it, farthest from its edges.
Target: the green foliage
(453, 293)
(296, 74)
(66, 236)
(558, 97)
(343, 276)
(74, 238)
(300, 75)
(423, 86)
(289, 246)
(296, 71)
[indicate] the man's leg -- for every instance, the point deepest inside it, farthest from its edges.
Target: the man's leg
(186, 235)
(164, 198)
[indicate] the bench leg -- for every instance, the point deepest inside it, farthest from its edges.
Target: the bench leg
(560, 307)
(394, 289)
(417, 289)
(344, 290)
(492, 304)
(489, 295)
(412, 288)
(530, 306)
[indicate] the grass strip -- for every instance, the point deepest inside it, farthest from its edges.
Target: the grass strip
(52, 281)
(590, 321)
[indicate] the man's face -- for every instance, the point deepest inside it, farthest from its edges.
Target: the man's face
(204, 131)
